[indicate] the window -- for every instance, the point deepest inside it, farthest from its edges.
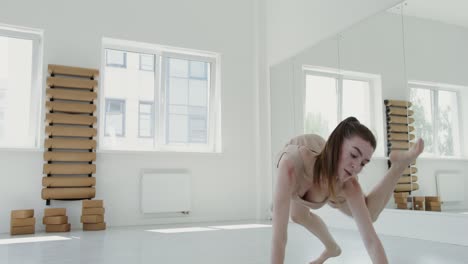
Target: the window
(116, 58)
(146, 119)
(115, 118)
(436, 115)
(332, 95)
(20, 87)
(171, 98)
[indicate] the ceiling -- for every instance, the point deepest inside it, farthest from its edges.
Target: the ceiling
(454, 12)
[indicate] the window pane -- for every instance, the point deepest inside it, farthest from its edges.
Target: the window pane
(447, 116)
(423, 125)
(356, 98)
(115, 111)
(178, 91)
(320, 105)
(198, 69)
(198, 130)
(146, 120)
(146, 62)
(115, 58)
(178, 129)
(198, 92)
(16, 66)
(146, 108)
(145, 126)
(178, 68)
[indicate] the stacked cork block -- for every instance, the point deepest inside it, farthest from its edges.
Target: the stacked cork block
(56, 220)
(22, 222)
(401, 200)
(92, 215)
(69, 146)
(433, 203)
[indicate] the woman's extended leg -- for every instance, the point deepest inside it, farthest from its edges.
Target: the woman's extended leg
(379, 196)
(312, 222)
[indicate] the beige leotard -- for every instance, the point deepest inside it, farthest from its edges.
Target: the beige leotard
(313, 143)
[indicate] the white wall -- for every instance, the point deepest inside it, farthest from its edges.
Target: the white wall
(376, 46)
(224, 185)
(295, 25)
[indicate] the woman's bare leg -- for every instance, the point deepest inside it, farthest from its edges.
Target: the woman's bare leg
(379, 196)
(312, 222)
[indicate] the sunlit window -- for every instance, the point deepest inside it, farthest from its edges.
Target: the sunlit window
(20, 87)
(331, 96)
(162, 100)
(436, 115)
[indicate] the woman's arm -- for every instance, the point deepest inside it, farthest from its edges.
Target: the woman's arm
(281, 203)
(357, 205)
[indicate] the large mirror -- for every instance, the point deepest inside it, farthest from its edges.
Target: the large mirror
(415, 51)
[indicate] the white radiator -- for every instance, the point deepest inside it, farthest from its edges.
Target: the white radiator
(165, 191)
(450, 186)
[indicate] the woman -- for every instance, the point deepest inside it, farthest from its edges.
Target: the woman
(313, 172)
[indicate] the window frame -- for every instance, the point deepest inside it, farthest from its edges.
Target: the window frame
(140, 64)
(36, 112)
(435, 88)
(160, 52)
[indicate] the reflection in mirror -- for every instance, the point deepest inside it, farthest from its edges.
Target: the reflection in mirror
(436, 62)
(404, 53)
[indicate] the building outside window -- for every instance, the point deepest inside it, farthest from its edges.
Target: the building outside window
(171, 98)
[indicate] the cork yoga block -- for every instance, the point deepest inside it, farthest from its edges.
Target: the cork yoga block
(406, 187)
(408, 179)
(58, 228)
(401, 136)
(93, 203)
(397, 103)
(400, 128)
(93, 211)
(94, 227)
(400, 194)
(55, 69)
(71, 181)
(69, 131)
(411, 170)
(71, 108)
(60, 143)
(400, 111)
(27, 213)
(55, 212)
(61, 94)
(68, 193)
(69, 168)
(72, 83)
(22, 230)
(55, 220)
(69, 156)
(400, 120)
(15, 222)
(400, 200)
(92, 219)
(70, 119)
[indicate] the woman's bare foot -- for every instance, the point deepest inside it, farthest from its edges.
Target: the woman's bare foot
(403, 159)
(327, 253)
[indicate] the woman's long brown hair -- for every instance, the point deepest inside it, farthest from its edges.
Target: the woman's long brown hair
(326, 164)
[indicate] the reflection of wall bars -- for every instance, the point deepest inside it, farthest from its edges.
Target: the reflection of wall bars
(400, 137)
(69, 145)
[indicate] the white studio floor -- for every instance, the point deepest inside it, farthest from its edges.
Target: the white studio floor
(217, 244)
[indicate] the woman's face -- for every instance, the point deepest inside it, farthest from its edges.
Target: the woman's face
(355, 154)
